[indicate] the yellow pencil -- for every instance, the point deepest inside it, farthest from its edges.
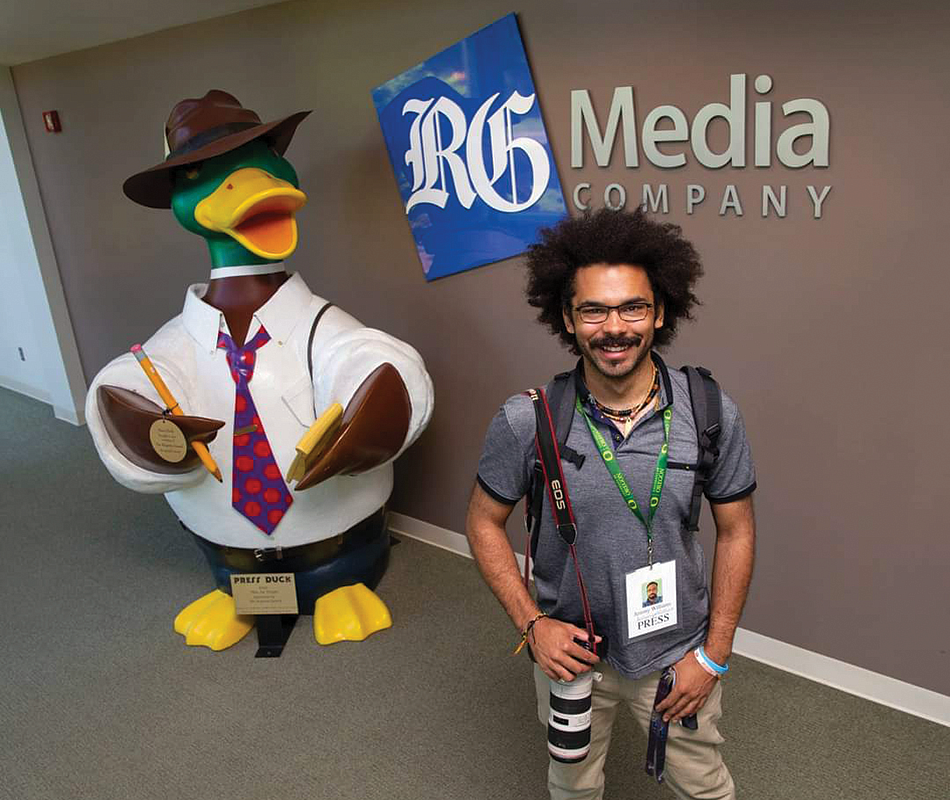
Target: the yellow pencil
(149, 368)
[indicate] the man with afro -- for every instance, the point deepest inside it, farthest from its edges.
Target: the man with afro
(614, 286)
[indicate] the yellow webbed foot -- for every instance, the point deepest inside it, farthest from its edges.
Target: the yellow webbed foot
(350, 613)
(211, 621)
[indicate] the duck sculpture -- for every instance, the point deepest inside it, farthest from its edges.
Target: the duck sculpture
(253, 361)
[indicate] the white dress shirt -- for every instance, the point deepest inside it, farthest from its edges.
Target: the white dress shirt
(185, 353)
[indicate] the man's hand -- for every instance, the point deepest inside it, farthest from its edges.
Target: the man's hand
(693, 686)
(556, 652)
(552, 642)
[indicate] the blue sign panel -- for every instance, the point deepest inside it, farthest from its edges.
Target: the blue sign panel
(470, 153)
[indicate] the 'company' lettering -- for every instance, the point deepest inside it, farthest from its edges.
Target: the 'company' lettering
(730, 205)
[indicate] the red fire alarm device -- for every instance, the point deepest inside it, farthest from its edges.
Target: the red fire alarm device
(51, 120)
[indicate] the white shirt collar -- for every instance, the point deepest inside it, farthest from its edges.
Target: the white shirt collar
(279, 315)
(247, 269)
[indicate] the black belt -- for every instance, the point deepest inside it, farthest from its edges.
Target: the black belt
(299, 557)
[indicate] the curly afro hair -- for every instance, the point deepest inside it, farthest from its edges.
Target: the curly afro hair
(612, 237)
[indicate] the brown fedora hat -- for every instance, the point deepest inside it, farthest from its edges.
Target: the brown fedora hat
(202, 128)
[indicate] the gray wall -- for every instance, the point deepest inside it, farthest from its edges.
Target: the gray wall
(16, 248)
(38, 354)
(830, 333)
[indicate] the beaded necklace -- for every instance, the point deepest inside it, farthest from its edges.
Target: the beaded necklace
(624, 415)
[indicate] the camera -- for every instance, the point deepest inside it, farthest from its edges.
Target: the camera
(569, 718)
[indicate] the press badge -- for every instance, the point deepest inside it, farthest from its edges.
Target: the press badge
(651, 599)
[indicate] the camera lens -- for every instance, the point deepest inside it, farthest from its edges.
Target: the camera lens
(569, 719)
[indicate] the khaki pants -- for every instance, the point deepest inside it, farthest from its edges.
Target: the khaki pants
(694, 767)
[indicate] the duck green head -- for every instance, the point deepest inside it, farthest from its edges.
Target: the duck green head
(243, 203)
(225, 179)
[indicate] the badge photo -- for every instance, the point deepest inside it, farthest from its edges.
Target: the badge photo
(651, 600)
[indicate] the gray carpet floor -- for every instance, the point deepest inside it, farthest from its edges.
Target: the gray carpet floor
(101, 699)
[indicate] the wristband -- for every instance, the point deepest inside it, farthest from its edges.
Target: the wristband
(708, 664)
(526, 631)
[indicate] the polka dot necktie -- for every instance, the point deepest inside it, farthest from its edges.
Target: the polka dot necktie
(258, 489)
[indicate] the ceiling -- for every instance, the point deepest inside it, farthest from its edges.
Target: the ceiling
(35, 29)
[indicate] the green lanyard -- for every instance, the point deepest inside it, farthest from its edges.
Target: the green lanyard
(659, 476)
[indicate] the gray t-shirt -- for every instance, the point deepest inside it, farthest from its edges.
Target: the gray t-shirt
(611, 541)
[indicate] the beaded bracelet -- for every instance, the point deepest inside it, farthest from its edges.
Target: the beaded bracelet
(526, 631)
(714, 669)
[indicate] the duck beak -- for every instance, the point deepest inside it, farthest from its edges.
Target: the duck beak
(256, 209)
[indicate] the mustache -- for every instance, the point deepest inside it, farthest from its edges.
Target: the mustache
(617, 341)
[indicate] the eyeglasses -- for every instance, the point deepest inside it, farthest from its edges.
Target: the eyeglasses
(628, 312)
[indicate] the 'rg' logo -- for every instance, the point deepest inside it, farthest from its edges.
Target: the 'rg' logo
(428, 155)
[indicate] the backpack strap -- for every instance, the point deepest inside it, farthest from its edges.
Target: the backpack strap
(705, 398)
(533, 503)
(561, 401)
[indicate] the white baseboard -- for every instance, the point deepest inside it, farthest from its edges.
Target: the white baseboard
(847, 677)
(32, 392)
(433, 534)
(429, 533)
(829, 671)
(74, 416)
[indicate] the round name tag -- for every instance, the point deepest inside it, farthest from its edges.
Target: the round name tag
(168, 440)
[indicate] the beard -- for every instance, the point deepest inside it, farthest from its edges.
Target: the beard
(594, 352)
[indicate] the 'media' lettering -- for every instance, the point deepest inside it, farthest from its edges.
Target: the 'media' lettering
(677, 128)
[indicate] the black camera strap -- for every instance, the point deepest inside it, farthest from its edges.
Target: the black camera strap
(660, 730)
(550, 459)
(313, 330)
